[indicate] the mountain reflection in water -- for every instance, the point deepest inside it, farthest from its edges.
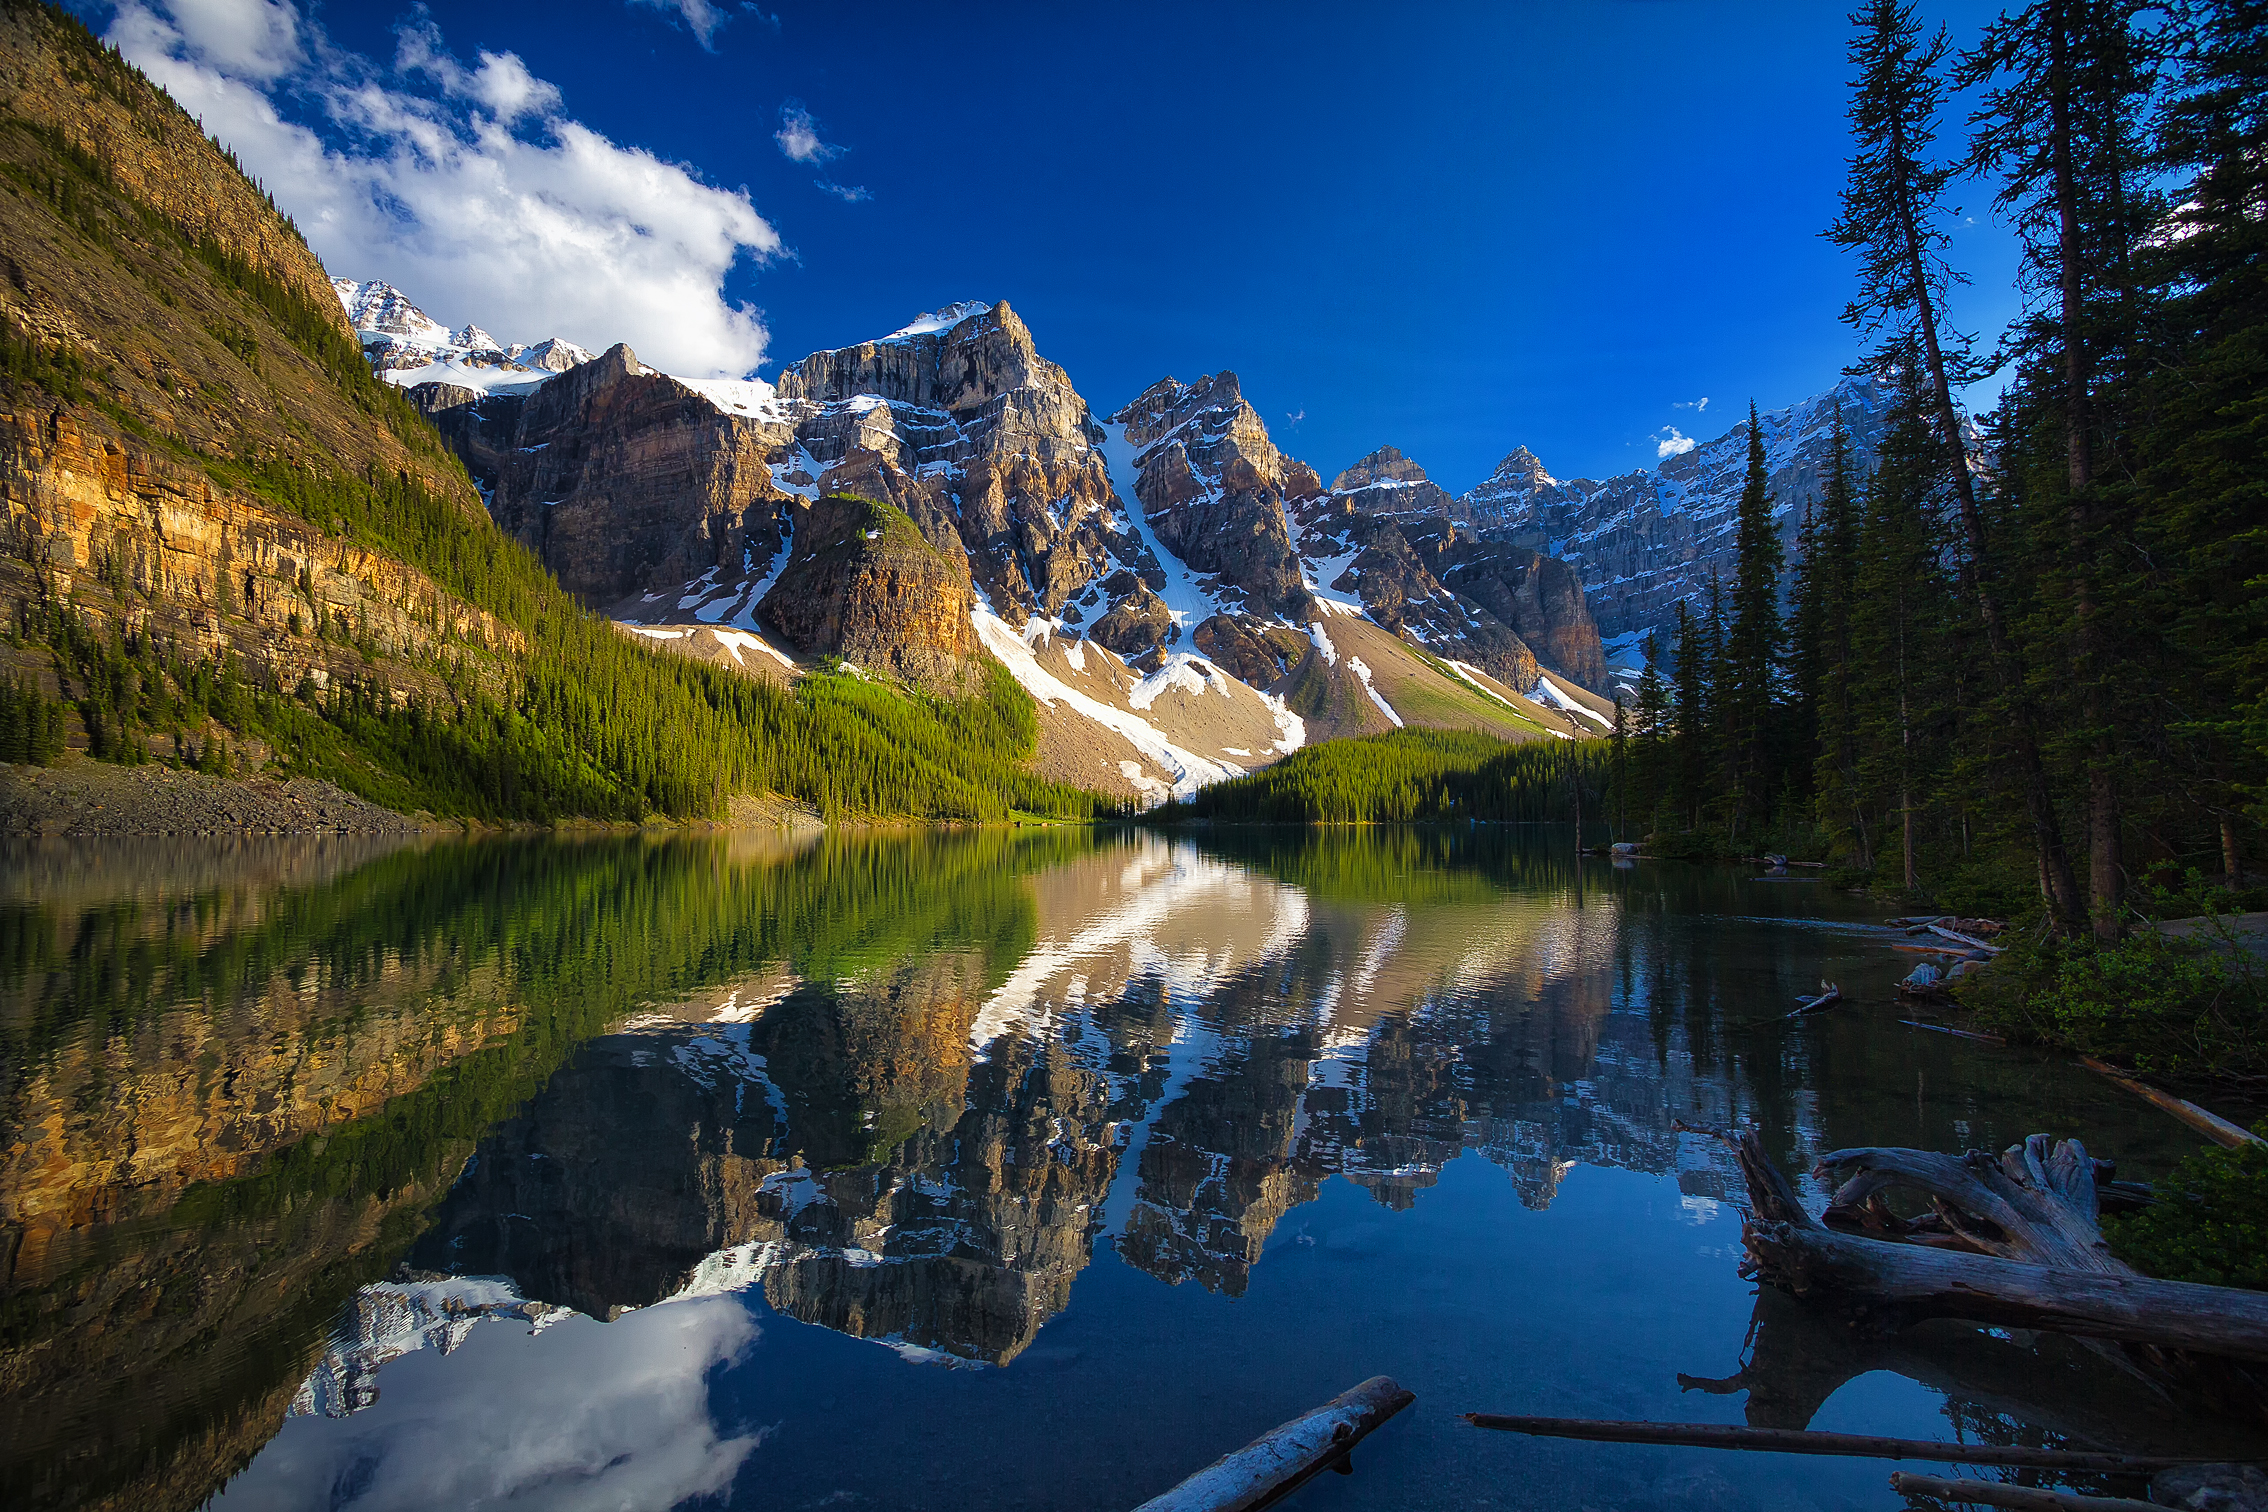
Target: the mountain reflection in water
(289, 1129)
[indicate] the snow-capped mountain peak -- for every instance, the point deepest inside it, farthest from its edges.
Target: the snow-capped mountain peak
(940, 319)
(378, 308)
(407, 346)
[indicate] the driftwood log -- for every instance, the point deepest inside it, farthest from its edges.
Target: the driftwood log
(2012, 1240)
(1796, 1356)
(1279, 1462)
(2021, 1498)
(2212, 1125)
(1848, 1445)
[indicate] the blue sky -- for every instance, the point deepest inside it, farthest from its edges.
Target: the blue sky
(1451, 228)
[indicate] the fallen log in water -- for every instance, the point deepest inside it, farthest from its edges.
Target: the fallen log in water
(1803, 1441)
(2211, 1125)
(2035, 1259)
(1970, 941)
(2022, 1498)
(1278, 1463)
(1897, 1284)
(1828, 996)
(1969, 1034)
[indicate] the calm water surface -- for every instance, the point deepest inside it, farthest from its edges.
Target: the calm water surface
(974, 1170)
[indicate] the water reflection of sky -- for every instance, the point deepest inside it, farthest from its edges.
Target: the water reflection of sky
(1170, 1144)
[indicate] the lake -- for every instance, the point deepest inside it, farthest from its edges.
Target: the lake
(993, 1168)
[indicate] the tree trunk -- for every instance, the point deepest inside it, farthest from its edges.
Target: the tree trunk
(1905, 1283)
(2039, 801)
(2106, 877)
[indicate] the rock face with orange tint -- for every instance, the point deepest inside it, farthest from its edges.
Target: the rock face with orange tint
(143, 476)
(861, 583)
(146, 543)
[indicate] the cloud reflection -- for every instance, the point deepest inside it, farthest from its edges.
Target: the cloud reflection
(584, 1415)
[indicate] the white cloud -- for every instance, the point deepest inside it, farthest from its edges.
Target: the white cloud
(848, 193)
(474, 194)
(1672, 445)
(251, 39)
(581, 1417)
(798, 137)
(1695, 405)
(700, 17)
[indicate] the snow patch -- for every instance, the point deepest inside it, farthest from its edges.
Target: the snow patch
(1189, 771)
(1552, 696)
(940, 320)
(1376, 697)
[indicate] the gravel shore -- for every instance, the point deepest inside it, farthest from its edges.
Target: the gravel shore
(83, 797)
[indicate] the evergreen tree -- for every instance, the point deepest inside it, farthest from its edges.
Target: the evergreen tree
(1899, 619)
(2202, 456)
(1650, 736)
(1719, 735)
(2060, 124)
(1752, 647)
(1830, 588)
(1892, 214)
(1691, 733)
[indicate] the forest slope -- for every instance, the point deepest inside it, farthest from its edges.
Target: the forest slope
(228, 542)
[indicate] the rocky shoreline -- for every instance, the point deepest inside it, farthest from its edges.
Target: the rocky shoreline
(83, 797)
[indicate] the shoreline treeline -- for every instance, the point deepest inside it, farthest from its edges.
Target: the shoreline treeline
(2021, 663)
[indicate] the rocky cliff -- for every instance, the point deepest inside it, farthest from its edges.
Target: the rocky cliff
(1122, 570)
(178, 339)
(1644, 540)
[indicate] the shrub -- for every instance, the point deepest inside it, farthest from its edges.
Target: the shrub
(2209, 1224)
(2166, 1006)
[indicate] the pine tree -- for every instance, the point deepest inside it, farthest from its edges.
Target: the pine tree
(1892, 215)
(1651, 736)
(2060, 126)
(1830, 578)
(2202, 457)
(1691, 733)
(1752, 646)
(1899, 623)
(1717, 747)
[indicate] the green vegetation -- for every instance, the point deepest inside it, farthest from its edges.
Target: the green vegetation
(2174, 1007)
(2038, 682)
(31, 723)
(2209, 1224)
(572, 720)
(1408, 776)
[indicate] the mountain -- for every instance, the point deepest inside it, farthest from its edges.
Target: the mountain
(1646, 539)
(401, 339)
(942, 498)
(232, 544)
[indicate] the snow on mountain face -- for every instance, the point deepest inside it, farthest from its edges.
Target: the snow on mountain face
(1388, 483)
(407, 346)
(940, 320)
(380, 309)
(1113, 555)
(1647, 539)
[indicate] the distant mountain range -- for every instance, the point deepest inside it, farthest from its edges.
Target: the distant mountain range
(1169, 531)
(1184, 601)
